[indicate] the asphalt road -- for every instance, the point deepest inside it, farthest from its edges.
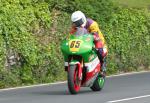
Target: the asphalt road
(134, 88)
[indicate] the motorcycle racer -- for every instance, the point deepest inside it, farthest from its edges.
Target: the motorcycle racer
(79, 20)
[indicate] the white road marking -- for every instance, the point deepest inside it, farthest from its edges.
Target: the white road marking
(46, 84)
(126, 74)
(38, 85)
(127, 99)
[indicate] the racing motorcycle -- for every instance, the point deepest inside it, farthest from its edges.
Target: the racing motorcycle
(82, 62)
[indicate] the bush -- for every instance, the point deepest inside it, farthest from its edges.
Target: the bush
(128, 39)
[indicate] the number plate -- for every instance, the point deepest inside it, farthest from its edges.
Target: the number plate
(74, 45)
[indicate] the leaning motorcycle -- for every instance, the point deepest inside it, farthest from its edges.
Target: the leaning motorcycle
(81, 62)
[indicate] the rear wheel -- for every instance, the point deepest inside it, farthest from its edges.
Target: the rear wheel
(99, 83)
(74, 82)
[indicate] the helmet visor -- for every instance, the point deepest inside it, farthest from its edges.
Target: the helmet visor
(78, 23)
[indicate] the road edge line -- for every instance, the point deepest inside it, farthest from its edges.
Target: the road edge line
(31, 86)
(126, 74)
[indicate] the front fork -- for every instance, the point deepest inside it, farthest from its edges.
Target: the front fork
(79, 67)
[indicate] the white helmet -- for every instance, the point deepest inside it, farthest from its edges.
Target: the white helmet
(78, 18)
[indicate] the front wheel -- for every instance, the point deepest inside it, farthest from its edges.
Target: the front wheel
(74, 82)
(98, 83)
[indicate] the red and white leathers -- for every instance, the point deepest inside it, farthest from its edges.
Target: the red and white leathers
(99, 40)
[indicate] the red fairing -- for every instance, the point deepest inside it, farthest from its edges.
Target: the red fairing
(89, 75)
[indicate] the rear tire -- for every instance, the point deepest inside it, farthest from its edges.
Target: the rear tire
(98, 83)
(73, 81)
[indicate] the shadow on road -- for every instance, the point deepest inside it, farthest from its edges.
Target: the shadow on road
(65, 92)
(50, 93)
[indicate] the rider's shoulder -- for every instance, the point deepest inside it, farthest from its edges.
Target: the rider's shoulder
(90, 20)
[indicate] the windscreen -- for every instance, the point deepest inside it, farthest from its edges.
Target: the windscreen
(81, 31)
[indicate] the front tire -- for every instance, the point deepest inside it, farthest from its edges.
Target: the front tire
(74, 82)
(98, 83)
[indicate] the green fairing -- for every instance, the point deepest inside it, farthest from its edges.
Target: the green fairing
(73, 62)
(85, 48)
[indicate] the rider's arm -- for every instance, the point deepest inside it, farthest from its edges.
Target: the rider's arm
(94, 29)
(73, 29)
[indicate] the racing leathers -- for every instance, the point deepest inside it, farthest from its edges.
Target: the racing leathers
(99, 41)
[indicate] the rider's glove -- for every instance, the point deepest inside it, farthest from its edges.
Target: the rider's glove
(100, 50)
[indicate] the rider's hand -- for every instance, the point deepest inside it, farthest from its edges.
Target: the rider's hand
(100, 50)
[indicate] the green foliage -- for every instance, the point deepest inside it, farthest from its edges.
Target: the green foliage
(62, 5)
(21, 21)
(2, 52)
(133, 3)
(128, 39)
